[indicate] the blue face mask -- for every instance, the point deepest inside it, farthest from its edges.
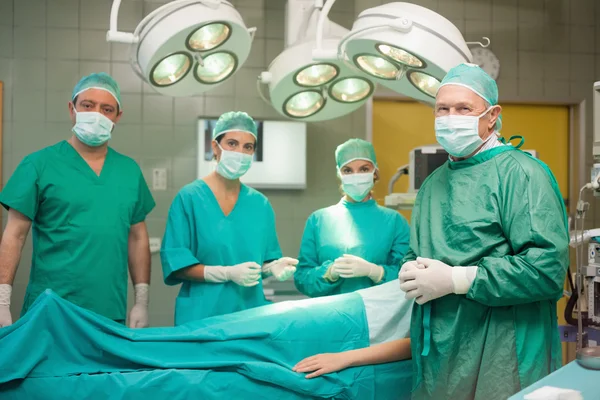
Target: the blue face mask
(233, 164)
(459, 134)
(92, 128)
(357, 186)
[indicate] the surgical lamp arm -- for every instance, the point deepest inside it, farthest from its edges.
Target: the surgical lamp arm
(321, 22)
(319, 53)
(113, 34)
(403, 170)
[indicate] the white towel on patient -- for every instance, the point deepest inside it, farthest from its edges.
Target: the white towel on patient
(388, 312)
(553, 393)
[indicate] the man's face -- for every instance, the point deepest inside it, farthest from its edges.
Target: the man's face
(459, 100)
(99, 101)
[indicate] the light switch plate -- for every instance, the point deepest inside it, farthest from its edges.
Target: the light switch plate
(159, 179)
(154, 245)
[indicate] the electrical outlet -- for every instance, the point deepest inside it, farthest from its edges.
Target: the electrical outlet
(154, 245)
(159, 179)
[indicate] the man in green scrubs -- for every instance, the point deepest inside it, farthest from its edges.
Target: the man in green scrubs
(489, 252)
(86, 204)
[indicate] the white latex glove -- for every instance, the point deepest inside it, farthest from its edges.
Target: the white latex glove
(138, 316)
(281, 269)
(435, 280)
(349, 266)
(331, 274)
(245, 274)
(407, 267)
(5, 317)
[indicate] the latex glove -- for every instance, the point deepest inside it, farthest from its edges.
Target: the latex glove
(331, 275)
(5, 317)
(349, 266)
(281, 269)
(436, 280)
(407, 267)
(138, 316)
(245, 274)
(322, 364)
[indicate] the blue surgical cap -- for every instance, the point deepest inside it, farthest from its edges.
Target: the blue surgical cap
(235, 121)
(477, 80)
(102, 81)
(354, 149)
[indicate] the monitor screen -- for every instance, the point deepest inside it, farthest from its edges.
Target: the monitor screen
(425, 164)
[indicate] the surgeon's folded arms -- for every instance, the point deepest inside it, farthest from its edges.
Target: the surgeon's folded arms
(326, 363)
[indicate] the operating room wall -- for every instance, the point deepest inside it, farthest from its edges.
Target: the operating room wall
(46, 46)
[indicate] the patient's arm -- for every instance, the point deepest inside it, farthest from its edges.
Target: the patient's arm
(326, 363)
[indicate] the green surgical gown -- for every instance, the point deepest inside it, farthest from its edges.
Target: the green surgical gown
(500, 210)
(199, 233)
(80, 225)
(367, 230)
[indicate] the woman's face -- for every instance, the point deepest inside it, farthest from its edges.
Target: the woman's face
(240, 142)
(357, 167)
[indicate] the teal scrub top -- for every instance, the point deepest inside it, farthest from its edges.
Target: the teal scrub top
(80, 225)
(198, 232)
(367, 230)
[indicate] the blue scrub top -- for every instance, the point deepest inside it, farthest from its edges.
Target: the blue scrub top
(367, 230)
(198, 232)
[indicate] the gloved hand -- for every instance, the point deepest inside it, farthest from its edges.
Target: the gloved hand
(5, 317)
(435, 280)
(281, 269)
(245, 274)
(349, 266)
(407, 267)
(138, 316)
(331, 275)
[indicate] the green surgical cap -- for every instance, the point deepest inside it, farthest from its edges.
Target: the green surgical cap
(102, 81)
(237, 121)
(354, 149)
(476, 79)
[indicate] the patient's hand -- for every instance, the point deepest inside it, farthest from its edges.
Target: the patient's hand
(322, 364)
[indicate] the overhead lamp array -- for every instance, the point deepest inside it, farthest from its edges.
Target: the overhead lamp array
(186, 47)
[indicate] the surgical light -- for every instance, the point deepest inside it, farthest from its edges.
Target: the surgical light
(304, 104)
(399, 55)
(350, 90)
(405, 47)
(306, 87)
(171, 69)
(425, 83)
(379, 67)
(316, 75)
(186, 47)
(215, 68)
(209, 36)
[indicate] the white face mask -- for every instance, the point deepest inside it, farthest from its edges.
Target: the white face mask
(358, 186)
(459, 134)
(92, 128)
(233, 164)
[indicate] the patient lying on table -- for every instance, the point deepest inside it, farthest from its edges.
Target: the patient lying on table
(57, 347)
(388, 316)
